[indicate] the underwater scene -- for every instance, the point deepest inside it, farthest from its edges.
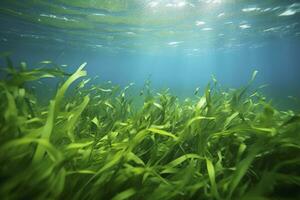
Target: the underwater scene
(150, 99)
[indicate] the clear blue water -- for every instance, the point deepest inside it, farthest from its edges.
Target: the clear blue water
(177, 44)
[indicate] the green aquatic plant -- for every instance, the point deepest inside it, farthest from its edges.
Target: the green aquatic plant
(94, 142)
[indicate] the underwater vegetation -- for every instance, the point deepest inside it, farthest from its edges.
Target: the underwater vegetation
(92, 142)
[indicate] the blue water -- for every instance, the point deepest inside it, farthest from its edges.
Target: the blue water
(176, 44)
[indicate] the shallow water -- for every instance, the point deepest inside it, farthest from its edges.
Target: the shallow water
(178, 44)
(193, 118)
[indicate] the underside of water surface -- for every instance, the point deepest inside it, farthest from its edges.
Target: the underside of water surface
(174, 100)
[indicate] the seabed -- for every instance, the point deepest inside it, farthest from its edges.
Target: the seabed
(94, 143)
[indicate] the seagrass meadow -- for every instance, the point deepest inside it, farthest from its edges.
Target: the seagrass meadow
(149, 100)
(91, 141)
